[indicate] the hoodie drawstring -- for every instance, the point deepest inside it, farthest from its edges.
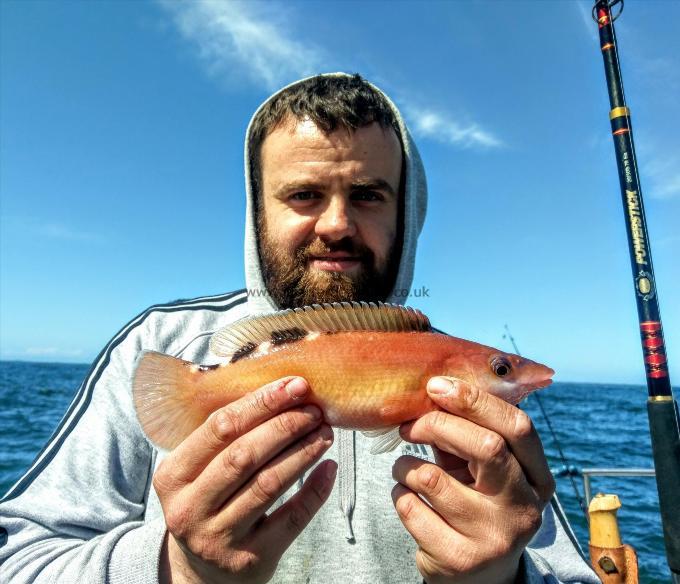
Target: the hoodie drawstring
(347, 477)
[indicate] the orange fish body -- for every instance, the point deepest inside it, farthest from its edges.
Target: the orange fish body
(361, 379)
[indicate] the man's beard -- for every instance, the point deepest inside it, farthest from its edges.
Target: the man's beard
(292, 282)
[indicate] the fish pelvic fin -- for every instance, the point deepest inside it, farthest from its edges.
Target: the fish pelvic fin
(240, 339)
(385, 439)
(161, 392)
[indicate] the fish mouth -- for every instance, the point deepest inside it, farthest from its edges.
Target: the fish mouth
(540, 379)
(538, 384)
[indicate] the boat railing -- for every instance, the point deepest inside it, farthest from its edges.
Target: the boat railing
(571, 471)
(586, 473)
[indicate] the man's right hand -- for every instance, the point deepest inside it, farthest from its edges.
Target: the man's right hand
(216, 486)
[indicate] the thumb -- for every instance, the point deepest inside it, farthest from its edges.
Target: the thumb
(447, 391)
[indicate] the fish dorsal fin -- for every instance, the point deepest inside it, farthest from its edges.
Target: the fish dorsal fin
(244, 336)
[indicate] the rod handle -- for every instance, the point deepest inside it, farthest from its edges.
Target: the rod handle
(663, 427)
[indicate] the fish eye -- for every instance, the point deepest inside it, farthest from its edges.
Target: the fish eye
(501, 366)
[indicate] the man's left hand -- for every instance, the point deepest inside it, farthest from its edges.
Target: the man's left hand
(486, 493)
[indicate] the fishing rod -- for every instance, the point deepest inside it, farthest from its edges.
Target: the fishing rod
(567, 469)
(662, 409)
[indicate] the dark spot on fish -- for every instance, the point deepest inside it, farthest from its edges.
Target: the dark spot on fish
(203, 368)
(243, 351)
(199, 368)
(288, 335)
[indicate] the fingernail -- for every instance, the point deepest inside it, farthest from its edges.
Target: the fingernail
(397, 490)
(312, 412)
(331, 470)
(406, 428)
(297, 387)
(326, 434)
(441, 386)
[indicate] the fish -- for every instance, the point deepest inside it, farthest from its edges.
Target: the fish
(367, 365)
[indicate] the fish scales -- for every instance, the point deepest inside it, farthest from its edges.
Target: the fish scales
(360, 380)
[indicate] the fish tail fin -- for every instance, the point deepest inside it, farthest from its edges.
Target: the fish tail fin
(162, 390)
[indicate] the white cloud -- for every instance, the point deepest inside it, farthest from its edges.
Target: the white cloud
(663, 173)
(46, 229)
(600, 139)
(659, 164)
(585, 10)
(255, 39)
(249, 36)
(53, 352)
(442, 127)
(669, 241)
(659, 73)
(61, 231)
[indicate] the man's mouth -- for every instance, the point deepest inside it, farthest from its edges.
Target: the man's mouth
(335, 261)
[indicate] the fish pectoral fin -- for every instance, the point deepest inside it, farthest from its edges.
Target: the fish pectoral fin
(385, 439)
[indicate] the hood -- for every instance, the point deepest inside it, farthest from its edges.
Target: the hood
(415, 205)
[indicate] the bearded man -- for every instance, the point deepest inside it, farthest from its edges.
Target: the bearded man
(336, 199)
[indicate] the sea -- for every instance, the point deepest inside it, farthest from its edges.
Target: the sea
(595, 425)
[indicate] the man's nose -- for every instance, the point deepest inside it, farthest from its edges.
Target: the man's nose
(336, 220)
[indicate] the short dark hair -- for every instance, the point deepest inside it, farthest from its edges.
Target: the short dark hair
(330, 101)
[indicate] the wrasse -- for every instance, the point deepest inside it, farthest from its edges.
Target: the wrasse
(367, 366)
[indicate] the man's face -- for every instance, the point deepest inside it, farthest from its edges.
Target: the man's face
(328, 218)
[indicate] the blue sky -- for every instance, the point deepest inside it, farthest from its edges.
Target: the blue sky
(121, 131)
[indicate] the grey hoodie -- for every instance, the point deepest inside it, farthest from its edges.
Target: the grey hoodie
(86, 511)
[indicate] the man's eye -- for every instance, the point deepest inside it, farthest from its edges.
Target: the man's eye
(367, 196)
(303, 196)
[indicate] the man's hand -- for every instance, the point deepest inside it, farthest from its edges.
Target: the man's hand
(486, 493)
(217, 485)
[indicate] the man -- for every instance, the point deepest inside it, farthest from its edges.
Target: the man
(336, 199)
